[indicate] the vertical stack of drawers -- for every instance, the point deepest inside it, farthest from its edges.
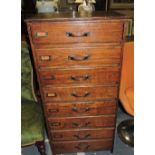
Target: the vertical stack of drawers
(78, 62)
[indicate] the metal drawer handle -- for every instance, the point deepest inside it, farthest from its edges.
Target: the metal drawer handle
(79, 58)
(85, 137)
(82, 111)
(55, 124)
(51, 94)
(87, 123)
(49, 78)
(80, 78)
(79, 34)
(45, 58)
(75, 124)
(84, 95)
(82, 146)
(78, 125)
(41, 34)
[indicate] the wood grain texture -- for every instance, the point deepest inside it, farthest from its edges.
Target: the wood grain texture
(82, 146)
(60, 123)
(80, 93)
(76, 76)
(82, 56)
(70, 109)
(78, 63)
(76, 32)
(82, 134)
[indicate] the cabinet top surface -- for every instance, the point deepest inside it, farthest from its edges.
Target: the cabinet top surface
(75, 16)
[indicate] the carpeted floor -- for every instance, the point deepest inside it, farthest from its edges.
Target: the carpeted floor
(119, 147)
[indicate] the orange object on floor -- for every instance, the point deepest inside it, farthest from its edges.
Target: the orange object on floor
(126, 93)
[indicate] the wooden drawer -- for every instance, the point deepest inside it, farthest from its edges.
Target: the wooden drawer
(78, 56)
(79, 93)
(84, 134)
(81, 122)
(82, 146)
(76, 32)
(80, 76)
(91, 108)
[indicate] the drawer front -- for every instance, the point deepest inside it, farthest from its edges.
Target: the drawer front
(76, 32)
(78, 56)
(81, 122)
(82, 146)
(82, 134)
(91, 108)
(80, 76)
(79, 93)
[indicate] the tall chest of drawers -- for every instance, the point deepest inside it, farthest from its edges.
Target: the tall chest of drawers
(78, 64)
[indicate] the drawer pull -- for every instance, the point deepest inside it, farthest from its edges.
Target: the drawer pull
(80, 138)
(75, 124)
(45, 58)
(53, 110)
(79, 58)
(84, 34)
(84, 95)
(82, 111)
(87, 123)
(51, 94)
(55, 124)
(41, 34)
(49, 78)
(81, 125)
(80, 78)
(82, 146)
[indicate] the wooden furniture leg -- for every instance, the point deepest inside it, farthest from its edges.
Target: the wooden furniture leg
(41, 147)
